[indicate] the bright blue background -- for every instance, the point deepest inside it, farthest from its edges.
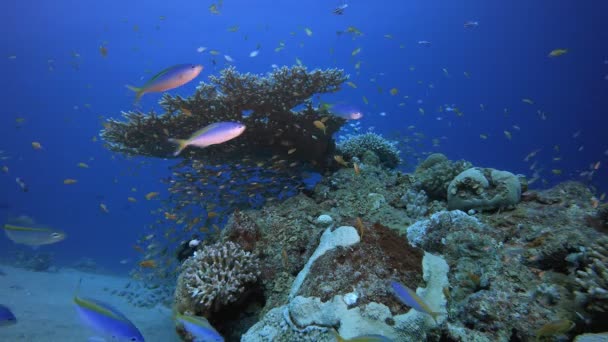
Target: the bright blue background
(506, 57)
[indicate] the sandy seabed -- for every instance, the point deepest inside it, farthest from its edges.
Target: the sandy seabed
(45, 310)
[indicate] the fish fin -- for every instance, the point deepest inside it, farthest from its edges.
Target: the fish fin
(139, 92)
(338, 337)
(181, 145)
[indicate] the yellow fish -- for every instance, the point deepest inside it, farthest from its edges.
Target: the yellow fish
(508, 135)
(557, 52)
(554, 328)
(68, 181)
(320, 125)
(83, 165)
(308, 31)
(151, 195)
(36, 145)
(340, 160)
(394, 91)
(351, 84)
(355, 51)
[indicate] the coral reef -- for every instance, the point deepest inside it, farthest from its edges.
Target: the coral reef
(484, 189)
(370, 148)
(214, 276)
(593, 280)
(510, 272)
(373, 195)
(435, 173)
(310, 318)
(273, 128)
(416, 203)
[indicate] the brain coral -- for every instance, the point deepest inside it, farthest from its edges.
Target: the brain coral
(213, 277)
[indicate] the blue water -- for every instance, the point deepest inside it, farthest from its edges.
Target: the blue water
(506, 57)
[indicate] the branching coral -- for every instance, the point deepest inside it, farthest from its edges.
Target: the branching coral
(361, 144)
(273, 126)
(594, 279)
(215, 276)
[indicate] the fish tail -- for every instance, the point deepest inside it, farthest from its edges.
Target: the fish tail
(181, 145)
(434, 315)
(139, 92)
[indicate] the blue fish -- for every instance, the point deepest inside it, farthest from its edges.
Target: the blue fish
(6, 316)
(170, 78)
(199, 328)
(409, 297)
(107, 320)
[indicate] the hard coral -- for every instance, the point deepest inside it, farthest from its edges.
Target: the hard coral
(361, 145)
(273, 127)
(435, 174)
(594, 279)
(215, 276)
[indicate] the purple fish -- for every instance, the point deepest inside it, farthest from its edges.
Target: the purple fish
(107, 320)
(409, 297)
(170, 78)
(214, 134)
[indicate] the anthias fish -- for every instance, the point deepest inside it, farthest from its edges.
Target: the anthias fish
(213, 134)
(6, 316)
(107, 320)
(33, 236)
(200, 328)
(170, 78)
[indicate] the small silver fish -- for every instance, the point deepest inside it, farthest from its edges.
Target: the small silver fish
(33, 236)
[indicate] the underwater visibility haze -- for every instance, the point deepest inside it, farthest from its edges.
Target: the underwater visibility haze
(339, 170)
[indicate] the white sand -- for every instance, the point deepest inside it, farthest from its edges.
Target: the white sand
(45, 311)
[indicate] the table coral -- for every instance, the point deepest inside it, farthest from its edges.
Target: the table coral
(273, 126)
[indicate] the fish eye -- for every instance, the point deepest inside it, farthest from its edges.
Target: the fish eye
(55, 235)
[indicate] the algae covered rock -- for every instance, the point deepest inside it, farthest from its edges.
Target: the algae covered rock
(484, 189)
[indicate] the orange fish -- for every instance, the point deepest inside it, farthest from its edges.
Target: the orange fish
(211, 214)
(360, 226)
(103, 50)
(147, 263)
(357, 169)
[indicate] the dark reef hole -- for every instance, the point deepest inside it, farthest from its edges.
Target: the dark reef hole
(233, 320)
